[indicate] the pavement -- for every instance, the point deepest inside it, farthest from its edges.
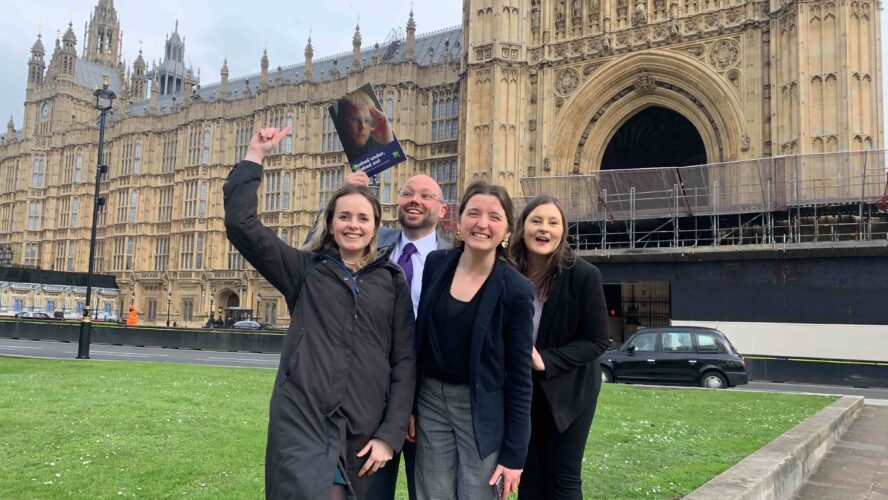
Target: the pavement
(856, 467)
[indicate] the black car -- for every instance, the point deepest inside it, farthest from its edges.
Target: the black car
(676, 355)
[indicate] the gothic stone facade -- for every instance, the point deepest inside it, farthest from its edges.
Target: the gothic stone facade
(523, 88)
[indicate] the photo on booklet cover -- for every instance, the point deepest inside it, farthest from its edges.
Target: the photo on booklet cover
(365, 133)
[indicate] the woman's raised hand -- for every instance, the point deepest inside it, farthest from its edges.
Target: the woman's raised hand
(264, 142)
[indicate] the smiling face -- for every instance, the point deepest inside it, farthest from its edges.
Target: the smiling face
(353, 226)
(483, 224)
(420, 206)
(543, 230)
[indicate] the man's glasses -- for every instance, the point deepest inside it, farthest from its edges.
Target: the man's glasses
(357, 121)
(407, 195)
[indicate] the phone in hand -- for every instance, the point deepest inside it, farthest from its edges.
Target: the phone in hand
(499, 485)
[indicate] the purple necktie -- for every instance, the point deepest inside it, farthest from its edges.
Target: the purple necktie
(405, 262)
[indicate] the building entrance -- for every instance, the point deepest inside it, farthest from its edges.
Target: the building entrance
(654, 137)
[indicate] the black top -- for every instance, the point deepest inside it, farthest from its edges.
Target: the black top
(450, 337)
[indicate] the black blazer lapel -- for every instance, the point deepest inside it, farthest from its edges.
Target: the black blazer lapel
(483, 317)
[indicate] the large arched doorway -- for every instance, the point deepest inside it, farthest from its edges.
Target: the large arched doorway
(654, 137)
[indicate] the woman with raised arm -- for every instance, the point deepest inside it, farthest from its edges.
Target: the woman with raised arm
(474, 330)
(570, 332)
(345, 384)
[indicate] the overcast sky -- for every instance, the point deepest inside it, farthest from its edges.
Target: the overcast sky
(219, 29)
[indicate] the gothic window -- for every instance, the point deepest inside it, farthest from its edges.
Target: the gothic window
(444, 173)
(387, 186)
(235, 259)
(126, 158)
(122, 206)
(130, 252)
(329, 138)
(165, 205)
(38, 176)
(152, 309)
(60, 247)
(272, 185)
(186, 251)
(242, 135)
(194, 146)
(119, 247)
(330, 181)
(72, 252)
(99, 257)
(445, 112)
(35, 215)
(390, 108)
(75, 207)
(199, 252)
(32, 250)
(286, 194)
(202, 202)
(137, 156)
(285, 235)
(206, 147)
(288, 148)
(134, 204)
(191, 188)
(162, 253)
(187, 309)
(78, 166)
(170, 144)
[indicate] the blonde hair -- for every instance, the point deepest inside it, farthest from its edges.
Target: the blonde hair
(322, 240)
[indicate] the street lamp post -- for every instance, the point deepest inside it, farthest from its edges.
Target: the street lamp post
(103, 95)
(169, 302)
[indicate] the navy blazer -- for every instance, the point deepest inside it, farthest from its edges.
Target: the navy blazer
(500, 383)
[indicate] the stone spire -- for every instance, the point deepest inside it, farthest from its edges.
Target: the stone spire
(375, 58)
(36, 64)
(139, 79)
(188, 87)
(263, 72)
(10, 131)
(152, 104)
(223, 76)
(356, 49)
(103, 35)
(411, 38)
(309, 53)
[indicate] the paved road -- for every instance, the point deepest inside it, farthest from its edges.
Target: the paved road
(65, 350)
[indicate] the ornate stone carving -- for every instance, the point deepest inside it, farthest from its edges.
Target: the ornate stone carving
(645, 84)
(744, 142)
(694, 50)
(639, 17)
(590, 68)
(733, 76)
(724, 54)
(566, 82)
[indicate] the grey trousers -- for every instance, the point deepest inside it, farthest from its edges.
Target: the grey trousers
(448, 465)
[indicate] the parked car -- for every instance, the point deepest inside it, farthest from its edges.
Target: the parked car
(34, 315)
(247, 325)
(676, 355)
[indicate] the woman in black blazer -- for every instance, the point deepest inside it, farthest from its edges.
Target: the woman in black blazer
(570, 332)
(473, 359)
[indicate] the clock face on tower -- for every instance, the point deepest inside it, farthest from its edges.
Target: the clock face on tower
(44, 111)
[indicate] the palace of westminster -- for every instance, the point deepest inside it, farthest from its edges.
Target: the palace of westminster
(522, 89)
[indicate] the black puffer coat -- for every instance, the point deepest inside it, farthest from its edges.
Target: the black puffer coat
(347, 370)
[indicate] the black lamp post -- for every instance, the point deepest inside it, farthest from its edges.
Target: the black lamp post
(169, 302)
(103, 96)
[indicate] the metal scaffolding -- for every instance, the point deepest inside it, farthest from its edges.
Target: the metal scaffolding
(823, 197)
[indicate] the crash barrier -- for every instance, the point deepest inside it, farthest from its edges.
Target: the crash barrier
(210, 339)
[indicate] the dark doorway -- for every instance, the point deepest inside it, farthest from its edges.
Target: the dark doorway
(233, 300)
(655, 137)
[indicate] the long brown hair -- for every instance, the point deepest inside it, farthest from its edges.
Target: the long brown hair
(501, 194)
(562, 258)
(322, 240)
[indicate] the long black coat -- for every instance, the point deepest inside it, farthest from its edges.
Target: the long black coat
(347, 369)
(573, 333)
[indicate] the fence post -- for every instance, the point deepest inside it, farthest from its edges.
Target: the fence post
(632, 217)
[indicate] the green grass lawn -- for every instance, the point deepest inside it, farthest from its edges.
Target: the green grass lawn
(100, 429)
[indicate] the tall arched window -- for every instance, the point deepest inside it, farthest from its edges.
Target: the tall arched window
(75, 208)
(390, 108)
(134, 204)
(285, 236)
(137, 156)
(287, 183)
(198, 257)
(206, 147)
(202, 200)
(288, 148)
(78, 166)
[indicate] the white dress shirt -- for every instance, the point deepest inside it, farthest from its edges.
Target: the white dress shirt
(424, 246)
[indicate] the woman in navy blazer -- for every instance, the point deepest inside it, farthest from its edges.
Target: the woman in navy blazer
(474, 365)
(570, 332)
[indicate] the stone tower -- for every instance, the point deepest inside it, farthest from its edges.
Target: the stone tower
(103, 35)
(36, 65)
(139, 79)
